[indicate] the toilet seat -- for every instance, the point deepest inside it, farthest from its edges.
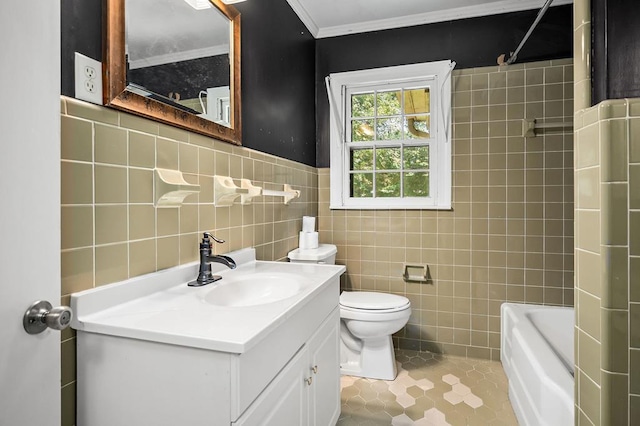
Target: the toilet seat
(372, 302)
(367, 322)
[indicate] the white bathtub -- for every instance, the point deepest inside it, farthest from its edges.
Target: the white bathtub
(537, 356)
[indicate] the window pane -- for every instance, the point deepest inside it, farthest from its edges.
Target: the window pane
(416, 184)
(362, 159)
(388, 158)
(362, 185)
(387, 184)
(388, 103)
(362, 105)
(389, 129)
(416, 157)
(417, 101)
(417, 127)
(362, 130)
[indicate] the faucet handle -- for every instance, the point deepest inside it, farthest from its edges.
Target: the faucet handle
(210, 235)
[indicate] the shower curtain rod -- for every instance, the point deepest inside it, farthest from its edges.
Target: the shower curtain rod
(541, 13)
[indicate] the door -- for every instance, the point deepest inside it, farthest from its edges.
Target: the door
(284, 401)
(324, 368)
(30, 209)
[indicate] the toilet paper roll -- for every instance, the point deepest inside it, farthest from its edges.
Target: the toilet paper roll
(308, 240)
(308, 224)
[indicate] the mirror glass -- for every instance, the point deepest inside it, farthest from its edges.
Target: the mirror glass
(177, 62)
(178, 53)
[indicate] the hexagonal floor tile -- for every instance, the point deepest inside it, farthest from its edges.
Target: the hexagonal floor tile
(402, 420)
(405, 400)
(461, 389)
(436, 417)
(453, 398)
(424, 384)
(429, 391)
(450, 379)
(472, 401)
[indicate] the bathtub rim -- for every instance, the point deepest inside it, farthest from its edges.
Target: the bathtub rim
(554, 377)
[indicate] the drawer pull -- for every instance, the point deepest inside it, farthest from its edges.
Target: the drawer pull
(309, 380)
(315, 369)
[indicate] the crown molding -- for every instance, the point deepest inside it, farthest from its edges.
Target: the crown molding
(179, 56)
(493, 8)
(305, 17)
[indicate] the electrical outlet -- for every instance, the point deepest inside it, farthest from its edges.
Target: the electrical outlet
(89, 72)
(89, 86)
(88, 79)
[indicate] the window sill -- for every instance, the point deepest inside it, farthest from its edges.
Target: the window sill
(391, 207)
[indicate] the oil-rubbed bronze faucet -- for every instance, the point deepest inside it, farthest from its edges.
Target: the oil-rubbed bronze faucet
(206, 258)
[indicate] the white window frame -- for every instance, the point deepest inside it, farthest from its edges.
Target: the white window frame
(437, 75)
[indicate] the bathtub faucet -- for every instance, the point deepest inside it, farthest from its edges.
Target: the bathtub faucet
(207, 258)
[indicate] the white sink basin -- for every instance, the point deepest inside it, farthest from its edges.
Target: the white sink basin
(255, 289)
(231, 315)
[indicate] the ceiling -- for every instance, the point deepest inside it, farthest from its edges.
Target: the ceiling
(329, 18)
(188, 33)
(166, 31)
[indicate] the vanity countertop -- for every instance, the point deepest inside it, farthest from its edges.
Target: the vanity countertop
(160, 307)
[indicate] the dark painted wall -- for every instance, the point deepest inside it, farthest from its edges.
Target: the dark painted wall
(187, 78)
(471, 42)
(278, 72)
(81, 31)
(615, 49)
(283, 67)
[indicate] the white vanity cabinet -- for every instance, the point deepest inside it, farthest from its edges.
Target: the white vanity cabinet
(307, 390)
(324, 372)
(169, 358)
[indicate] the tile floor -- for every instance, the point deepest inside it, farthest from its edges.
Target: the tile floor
(430, 390)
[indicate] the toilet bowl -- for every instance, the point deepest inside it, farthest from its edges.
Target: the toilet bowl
(367, 321)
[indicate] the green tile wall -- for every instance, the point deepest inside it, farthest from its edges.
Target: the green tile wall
(111, 230)
(607, 309)
(509, 236)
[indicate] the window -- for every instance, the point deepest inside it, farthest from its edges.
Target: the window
(390, 137)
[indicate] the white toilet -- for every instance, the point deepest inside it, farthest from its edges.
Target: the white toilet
(325, 253)
(367, 321)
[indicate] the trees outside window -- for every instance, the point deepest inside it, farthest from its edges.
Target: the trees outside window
(390, 138)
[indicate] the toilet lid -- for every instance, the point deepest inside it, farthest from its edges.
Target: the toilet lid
(371, 300)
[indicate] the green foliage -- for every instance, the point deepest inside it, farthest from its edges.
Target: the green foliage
(363, 105)
(388, 158)
(387, 184)
(401, 171)
(416, 184)
(362, 159)
(362, 185)
(388, 103)
(416, 157)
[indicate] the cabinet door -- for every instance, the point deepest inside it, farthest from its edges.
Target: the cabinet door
(324, 368)
(284, 401)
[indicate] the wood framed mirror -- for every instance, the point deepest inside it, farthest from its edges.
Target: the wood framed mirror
(158, 98)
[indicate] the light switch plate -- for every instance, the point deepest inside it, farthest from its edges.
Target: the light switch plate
(88, 79)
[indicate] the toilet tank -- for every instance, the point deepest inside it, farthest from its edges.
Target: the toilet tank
(325, 253)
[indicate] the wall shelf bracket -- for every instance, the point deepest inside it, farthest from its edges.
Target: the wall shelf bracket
(225, 191)
(253, 191)
(170, 188)
(287, 194)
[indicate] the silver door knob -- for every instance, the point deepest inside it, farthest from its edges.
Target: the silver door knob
(41, 315)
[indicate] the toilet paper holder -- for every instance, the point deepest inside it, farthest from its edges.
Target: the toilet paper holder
(416, 273)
